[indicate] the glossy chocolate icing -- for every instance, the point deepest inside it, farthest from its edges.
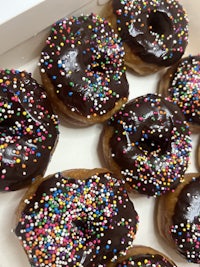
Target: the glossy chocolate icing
(150, 143)
(28, 129)
(146, 260)
(83, 58)
(157, 31)
(72, 222)
(185, 228)
(184, 87)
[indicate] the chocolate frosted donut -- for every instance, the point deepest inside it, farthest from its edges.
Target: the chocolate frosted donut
(179, 218)
(82, 69)
(198, 155)
(149, 143)
(28, 129)
(155, 33)
(76, 218)
(182, 84)
(142, 256)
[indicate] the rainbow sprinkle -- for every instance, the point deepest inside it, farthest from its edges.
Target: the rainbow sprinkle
(184, 88)
(70, 222)
(146, 260)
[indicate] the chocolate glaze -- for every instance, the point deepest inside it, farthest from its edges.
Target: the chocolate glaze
(150, 143)
(77, 221)
(28, 129)
(83, 58)
(184, 88)
(146, 260)
(157, 31)
(185, 228)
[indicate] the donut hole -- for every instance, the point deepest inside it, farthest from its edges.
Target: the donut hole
(97, 68)
(101, 65)
(8, 127)
(152, 144)
(158, 22)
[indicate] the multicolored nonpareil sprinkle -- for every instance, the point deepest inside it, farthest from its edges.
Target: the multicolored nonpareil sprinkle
(155, 30)
(69, 222)
(84, 60)
(185, 228)
(146, 260)
(150, 143)
(28, 129)
(184, 88)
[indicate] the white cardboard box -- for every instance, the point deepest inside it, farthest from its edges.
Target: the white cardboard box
(23, 38)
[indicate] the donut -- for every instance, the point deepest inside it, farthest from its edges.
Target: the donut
(28, 129)
(198, 155)
(79, 217)
(148, 142)
(154, 33)
(181, 83)
(178, 218)
(82, 69)
(143, 256)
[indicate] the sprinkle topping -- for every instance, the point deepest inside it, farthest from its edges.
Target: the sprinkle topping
(185, 88)
(151, 144)
(84, 60)
(146, 260)
(70, 222)
(156, 30)
(28, 129)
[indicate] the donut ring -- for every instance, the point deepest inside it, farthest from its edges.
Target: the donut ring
(198, 155)
(149, 143)
(82, 69)
(182, 84)
(155, 33)
(76, 218)
(143, 256)
(28, 129)
(179, 224)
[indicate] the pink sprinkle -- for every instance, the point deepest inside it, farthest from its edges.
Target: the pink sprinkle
(140, 118)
